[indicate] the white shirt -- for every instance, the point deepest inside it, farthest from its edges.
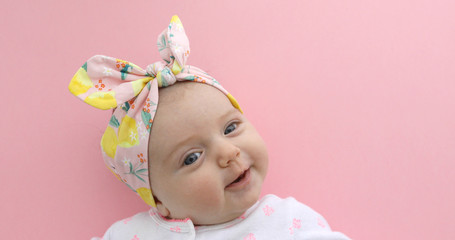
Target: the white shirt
(270, 218)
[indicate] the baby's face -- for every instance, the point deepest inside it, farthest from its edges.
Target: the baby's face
(207, 162)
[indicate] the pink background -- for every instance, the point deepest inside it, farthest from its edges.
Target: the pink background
(355, 99)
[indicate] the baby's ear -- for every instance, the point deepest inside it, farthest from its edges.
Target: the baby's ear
(161, 208)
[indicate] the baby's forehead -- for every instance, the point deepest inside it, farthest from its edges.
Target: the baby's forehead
(186, 93)
(184, 87)
(184, 99)
(177, 90)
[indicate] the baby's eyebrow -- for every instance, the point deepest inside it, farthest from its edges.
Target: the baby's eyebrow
(182, 142)
(176, 146)
(230, 112)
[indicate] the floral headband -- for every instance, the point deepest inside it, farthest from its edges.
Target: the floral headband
(110, 83)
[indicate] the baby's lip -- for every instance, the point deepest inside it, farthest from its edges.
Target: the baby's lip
(241, 174)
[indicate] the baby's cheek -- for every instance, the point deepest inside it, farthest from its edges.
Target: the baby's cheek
(205, 192)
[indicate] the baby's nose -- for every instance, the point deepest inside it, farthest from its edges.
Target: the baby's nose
(227, 153)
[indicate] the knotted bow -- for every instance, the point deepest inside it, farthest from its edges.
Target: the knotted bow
(110, 83)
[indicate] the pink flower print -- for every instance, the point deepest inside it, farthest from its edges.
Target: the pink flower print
(295, 225)
(250, 236)
(176, 229)
(268, 210)
(242, 216)
(135, 238)
(100, 85)
(321, 223)
(126, 220)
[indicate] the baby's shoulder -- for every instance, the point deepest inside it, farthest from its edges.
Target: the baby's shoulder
(295, 212)
(142, 218)
(141, 223)
(286, 204)
(278, 217)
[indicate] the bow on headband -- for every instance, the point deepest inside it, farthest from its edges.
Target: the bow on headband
(110, 83)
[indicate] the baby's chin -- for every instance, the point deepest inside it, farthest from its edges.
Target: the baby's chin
(221, 218)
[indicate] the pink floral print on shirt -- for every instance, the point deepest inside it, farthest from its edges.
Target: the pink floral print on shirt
(176, 229)
(268, 210)
(250, 236)
(296, 224)
(321, 223)
(126, 220)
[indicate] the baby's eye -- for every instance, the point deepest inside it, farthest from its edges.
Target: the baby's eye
(230, 128)
(190, 159)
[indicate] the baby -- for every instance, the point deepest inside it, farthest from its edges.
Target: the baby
(204, 161)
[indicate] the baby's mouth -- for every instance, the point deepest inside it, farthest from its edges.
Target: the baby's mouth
(244, 177)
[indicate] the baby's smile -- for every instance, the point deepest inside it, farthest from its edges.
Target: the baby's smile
(240, 182)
